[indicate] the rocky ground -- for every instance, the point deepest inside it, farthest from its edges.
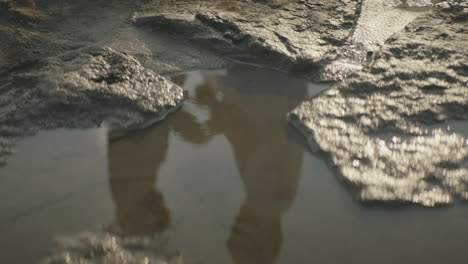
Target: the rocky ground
(401, 68)
(297, 36)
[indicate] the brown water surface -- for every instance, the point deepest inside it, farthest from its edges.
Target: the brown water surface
(225, 176)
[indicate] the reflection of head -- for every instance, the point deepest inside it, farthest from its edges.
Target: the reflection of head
(255, 239)
(179, 79)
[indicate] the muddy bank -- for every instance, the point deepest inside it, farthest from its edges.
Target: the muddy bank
(295, 36)
(83, 88)
(321, 40)
(377, 127)
(52, 75)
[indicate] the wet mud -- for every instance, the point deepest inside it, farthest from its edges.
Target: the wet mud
(392, 125)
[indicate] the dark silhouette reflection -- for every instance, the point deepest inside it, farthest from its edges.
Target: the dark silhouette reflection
(251, 114)
(246, 105)
(25, 3)
(135, 158)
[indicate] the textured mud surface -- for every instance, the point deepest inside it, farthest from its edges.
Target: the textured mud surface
(83, 88)
(101, 248)
(376, 126)
(288, 35)
(52, 75)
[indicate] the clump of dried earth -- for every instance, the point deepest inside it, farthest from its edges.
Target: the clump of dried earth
(376, 126)
(83, 88)
(102, 248)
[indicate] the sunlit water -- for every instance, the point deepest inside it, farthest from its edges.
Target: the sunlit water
(225, 176)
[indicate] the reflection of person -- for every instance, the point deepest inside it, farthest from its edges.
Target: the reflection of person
(253, 121)
(135, 158)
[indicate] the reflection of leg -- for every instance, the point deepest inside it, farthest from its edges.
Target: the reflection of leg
(255, 239)
(269, 168)
(134, 162)
(140, 208)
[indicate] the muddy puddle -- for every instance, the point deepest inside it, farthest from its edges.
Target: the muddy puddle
(225, 176)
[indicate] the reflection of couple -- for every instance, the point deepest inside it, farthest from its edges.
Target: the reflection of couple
(268, 162)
